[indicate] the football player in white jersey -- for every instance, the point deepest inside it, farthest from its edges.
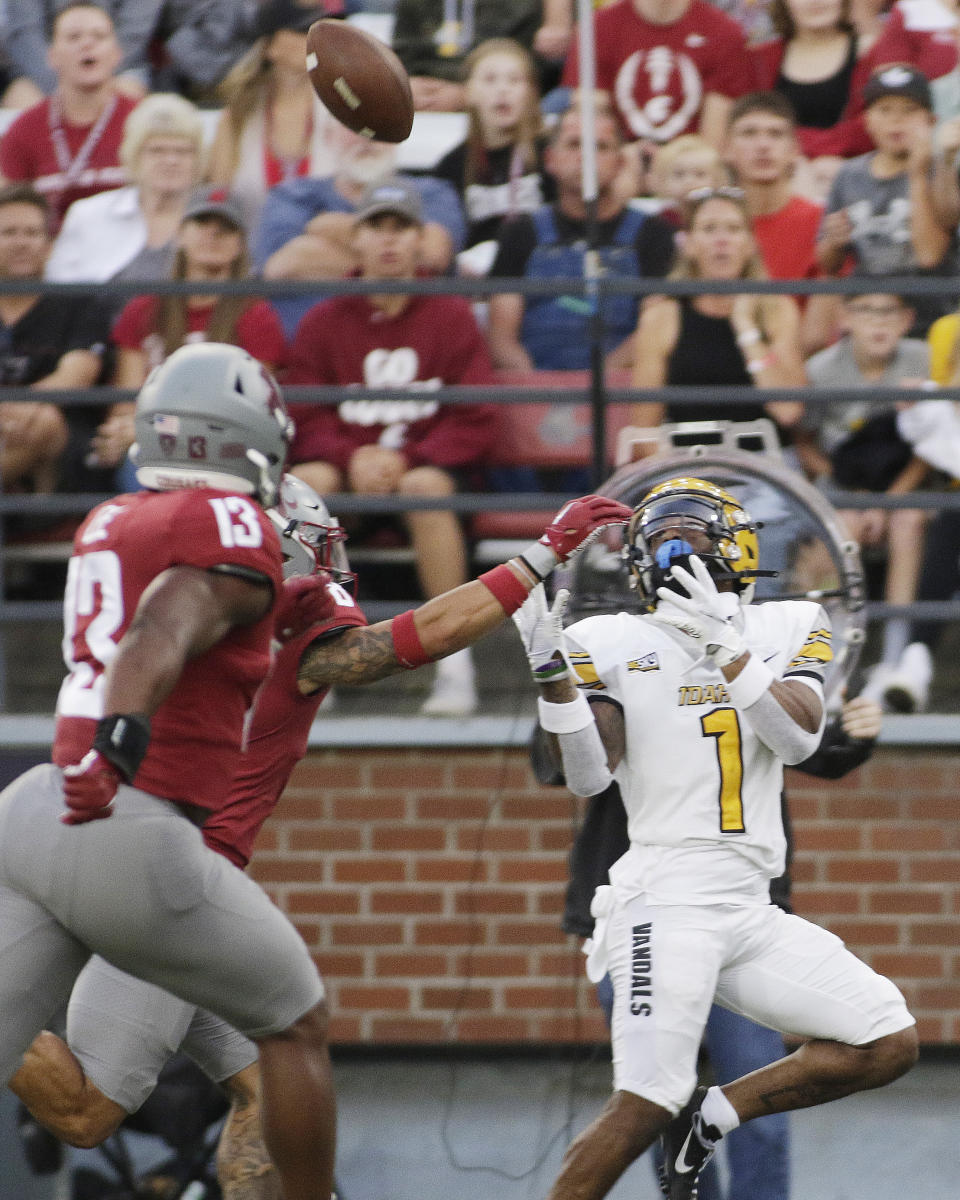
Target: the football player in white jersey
(694, 708)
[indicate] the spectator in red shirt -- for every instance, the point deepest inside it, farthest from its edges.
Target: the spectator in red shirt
(406, 443)
(761, 151)
(68, 145)
(821, 62)
(212, 246)
(670, 66)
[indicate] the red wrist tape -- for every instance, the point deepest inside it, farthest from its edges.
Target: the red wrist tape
(506, 588)
(406, 642)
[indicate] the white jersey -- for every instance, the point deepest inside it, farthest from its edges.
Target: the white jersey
(702, 792)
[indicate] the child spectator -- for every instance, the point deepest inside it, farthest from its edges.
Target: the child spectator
(498, 169)
(856, 445)
(678, 168)
(880, 214)
(212, 247)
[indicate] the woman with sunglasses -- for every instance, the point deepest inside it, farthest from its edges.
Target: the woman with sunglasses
(724, 338)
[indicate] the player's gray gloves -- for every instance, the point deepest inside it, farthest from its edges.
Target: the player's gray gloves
(541, 631)
(705, 615)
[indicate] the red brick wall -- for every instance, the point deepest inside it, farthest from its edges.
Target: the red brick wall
(429, 882)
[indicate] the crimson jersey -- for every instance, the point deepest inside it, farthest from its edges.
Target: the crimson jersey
(90, 160)
(121, 547)
(281, 722)
(658, 75)
(434, 341)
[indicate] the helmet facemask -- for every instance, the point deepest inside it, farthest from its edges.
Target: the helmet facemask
(695, 505)
(311, 540)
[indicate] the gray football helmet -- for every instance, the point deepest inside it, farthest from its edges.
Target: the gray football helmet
(211, 416)
(311, 540)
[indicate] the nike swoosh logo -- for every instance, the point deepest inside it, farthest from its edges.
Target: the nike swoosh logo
(681, 1166)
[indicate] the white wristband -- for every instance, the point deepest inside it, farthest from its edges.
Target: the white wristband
(539, 558)
(567, 717)
(751, 683)
(749, 337)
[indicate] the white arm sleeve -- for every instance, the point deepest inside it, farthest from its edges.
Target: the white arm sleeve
(582, 751)
(780, 732)
(585, 761)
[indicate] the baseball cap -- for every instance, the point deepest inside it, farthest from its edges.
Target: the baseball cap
(215, 202)
(391, 196)
(898, 79)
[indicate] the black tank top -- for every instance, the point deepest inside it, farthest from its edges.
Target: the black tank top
(707, 352)
(820, 105)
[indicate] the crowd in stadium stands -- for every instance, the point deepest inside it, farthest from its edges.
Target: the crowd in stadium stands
(786, 139)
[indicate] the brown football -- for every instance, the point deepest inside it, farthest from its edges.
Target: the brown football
(360, 80)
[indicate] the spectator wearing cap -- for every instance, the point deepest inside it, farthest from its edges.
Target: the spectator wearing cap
(130, 232)
(271, 127)
(880, 216)
(211, 246)
(407, 442)
(307, 226)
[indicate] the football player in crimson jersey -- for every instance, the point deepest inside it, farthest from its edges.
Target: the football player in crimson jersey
(696, 706)
(121, 1030)
(169, 613)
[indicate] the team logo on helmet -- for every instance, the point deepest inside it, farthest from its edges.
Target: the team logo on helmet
(689, 502)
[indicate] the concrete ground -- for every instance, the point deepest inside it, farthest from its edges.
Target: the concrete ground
(424, 1130)
(427, 1128)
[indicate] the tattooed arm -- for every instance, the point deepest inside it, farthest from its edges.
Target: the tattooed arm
(447, 623)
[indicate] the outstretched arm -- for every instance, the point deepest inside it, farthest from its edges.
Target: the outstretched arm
(461, 616)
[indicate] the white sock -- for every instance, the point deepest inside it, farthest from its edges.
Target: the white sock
(717, 1111)
(896, 635)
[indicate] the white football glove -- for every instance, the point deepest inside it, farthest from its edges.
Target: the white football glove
(541, 631)
(705, 615)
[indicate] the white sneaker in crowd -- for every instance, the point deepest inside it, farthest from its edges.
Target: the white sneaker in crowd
(907, 686)
(454, 691)
(875, 684)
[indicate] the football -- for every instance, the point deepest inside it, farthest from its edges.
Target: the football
(360, 80)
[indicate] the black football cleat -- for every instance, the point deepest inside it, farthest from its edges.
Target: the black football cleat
(687, 1144)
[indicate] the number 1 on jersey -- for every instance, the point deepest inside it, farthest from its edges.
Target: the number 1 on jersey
(723, 724)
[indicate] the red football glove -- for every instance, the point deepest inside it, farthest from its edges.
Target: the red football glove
(89, 788)
(304, 601)
(573, 528)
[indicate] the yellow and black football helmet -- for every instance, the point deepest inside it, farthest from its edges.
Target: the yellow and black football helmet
(696, 503)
